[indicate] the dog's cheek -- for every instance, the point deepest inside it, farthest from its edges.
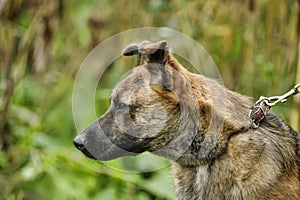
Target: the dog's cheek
(152, 119)
(143, 118)
(124, 119)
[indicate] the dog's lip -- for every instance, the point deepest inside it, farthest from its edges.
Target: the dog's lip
(104, 157)
(86, 152)
(108, 155)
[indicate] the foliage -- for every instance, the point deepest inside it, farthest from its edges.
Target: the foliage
(42, 43)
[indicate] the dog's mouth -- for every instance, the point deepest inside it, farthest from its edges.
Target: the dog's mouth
(94, 152)
(107, 155)
(80, 145)
(87, 153)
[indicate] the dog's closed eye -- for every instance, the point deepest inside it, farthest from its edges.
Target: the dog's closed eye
(133, 107)
(132, 111)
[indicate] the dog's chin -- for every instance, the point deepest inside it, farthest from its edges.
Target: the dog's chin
(107, 155)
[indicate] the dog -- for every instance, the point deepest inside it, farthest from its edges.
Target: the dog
(202, 127)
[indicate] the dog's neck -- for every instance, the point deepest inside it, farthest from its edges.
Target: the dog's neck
(210, 141)
(190, 158)
(205, 131)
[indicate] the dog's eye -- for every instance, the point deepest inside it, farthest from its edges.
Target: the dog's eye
(132, 111)
(133, 107)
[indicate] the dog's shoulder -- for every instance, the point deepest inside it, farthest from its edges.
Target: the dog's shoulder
(266, 156)
(278, 131)
(273, 141)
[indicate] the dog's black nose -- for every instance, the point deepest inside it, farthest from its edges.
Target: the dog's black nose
(78, 143)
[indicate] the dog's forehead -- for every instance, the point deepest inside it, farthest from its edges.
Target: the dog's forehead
(139, 78)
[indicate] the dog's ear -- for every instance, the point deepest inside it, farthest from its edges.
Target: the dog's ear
(131, 49)
(152, 53)
(148, 52)
(160, 75)
(166, 78)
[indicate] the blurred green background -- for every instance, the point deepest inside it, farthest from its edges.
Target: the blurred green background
(42, 44)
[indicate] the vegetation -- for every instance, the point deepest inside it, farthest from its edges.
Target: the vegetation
(42, 44)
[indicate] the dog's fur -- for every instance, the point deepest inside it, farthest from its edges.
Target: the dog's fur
(199, 125)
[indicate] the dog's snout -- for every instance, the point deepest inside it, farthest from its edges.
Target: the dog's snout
(78, 143)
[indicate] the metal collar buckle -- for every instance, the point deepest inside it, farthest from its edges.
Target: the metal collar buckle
(259, 111)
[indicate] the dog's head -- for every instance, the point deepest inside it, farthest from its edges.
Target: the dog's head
(145, 109)
(160, 107)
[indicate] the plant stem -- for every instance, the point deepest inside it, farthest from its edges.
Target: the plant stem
(295, 113)
(8, 92)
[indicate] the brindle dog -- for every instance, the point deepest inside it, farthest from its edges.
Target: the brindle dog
(199, 125)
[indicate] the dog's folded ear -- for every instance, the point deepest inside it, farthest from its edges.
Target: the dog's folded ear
(152, 53)
(160, 75)
(130, 50)
(148, 52)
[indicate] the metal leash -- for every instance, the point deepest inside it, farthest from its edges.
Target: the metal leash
(259, 111)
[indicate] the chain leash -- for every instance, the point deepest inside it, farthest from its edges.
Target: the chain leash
(259, 111)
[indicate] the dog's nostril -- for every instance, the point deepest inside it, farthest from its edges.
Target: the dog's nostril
(78, 143)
